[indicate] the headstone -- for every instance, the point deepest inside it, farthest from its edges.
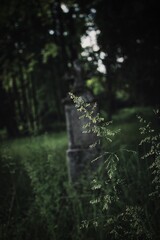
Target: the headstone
(79, 153)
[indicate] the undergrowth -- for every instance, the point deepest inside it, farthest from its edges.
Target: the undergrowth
(126, 198)
(121, 202)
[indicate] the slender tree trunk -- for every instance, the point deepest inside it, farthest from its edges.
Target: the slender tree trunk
(72, 32)
(11, 118)
(61, 35)
(8, 111)
(24, 100)
(30, 105)
(110, 62)
(61, 61)
(18, 100)
(35, 104)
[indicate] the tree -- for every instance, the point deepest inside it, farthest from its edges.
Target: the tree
(36, 53)
(129, 37)
(41, 40)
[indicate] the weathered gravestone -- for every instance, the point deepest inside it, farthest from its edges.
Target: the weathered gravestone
(79, 153)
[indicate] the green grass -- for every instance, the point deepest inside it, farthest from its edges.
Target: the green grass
(127, 121)
(24, 146)
(36, 168)
(37, 202)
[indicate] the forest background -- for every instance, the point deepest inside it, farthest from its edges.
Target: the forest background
(117, 43)
(118, 46)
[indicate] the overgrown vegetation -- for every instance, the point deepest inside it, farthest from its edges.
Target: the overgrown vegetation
(121, 202)
(124, 187)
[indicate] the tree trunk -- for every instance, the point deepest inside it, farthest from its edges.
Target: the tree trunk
(18, 101)
(110, 80)
(34, 105)
(24, 101)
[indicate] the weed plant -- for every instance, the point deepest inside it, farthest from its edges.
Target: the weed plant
(126, 192)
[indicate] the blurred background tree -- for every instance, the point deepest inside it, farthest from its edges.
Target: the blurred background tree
(116, 41)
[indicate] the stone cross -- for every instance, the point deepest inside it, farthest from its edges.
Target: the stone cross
(79, 154)
(78, 79)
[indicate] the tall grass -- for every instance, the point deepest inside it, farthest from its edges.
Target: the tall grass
(34, 171)
(38, 202)
(122, 196)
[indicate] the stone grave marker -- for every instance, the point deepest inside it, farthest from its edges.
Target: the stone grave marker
(79, 153)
